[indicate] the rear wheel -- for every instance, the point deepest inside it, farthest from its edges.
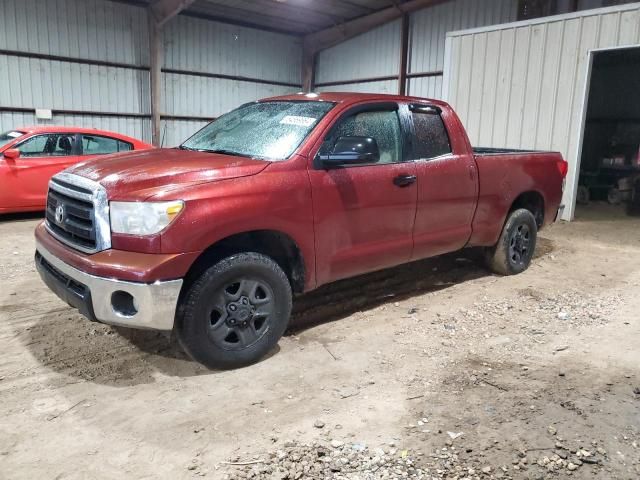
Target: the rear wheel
(583, 196)
(514, 250)
(235, 312)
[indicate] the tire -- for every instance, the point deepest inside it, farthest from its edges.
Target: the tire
(614, 196)
(583, 196)
(514, 250)
(235, 312)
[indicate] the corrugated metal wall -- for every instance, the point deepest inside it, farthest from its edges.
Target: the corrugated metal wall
(523, 85)
(212, 50)
(94, 30)
(376, 53)
(428, 34)
(370, 55)
(87, 58)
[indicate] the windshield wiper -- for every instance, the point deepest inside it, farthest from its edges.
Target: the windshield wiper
(224, 151)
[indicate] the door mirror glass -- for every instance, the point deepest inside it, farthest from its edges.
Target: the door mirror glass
(11, 154)
(352, 151)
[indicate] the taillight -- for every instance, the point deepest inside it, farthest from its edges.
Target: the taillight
(563, 168)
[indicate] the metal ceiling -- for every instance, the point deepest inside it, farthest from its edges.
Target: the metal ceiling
(298, 17)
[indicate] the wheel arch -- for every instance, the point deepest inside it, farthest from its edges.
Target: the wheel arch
(275, 244)
(533, 201)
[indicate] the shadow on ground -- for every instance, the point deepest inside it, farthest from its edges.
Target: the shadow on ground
(62, 340)
(21, 217)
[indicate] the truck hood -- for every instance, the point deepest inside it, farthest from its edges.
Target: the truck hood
(141, 174)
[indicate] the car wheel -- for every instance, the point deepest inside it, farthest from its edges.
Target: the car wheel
(583, 196)
(614, 196)
(235, 312)
(514, 250)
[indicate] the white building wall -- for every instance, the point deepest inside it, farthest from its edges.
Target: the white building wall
(523, 85)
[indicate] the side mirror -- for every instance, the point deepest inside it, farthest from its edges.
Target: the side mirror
(352, 151)
(11, 154)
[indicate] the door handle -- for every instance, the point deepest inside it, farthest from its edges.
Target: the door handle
(404, 180)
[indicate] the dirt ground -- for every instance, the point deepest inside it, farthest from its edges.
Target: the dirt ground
(511, 377)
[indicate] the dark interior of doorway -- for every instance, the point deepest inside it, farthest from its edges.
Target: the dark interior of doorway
(610, 163)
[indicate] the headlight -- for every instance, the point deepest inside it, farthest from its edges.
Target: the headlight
(143, 218)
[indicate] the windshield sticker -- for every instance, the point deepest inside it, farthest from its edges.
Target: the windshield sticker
(300, 121)
(14, 134)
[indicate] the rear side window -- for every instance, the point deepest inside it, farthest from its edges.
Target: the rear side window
(97, 145)
(431, 138)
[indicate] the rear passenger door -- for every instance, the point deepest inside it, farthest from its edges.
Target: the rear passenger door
(447, 185)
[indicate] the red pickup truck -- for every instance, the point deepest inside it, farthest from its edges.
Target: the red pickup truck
(212, 239)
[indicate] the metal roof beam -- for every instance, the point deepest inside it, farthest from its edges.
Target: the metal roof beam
(315, 42)
(165, 10)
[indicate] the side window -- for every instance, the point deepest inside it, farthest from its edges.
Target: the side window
(57, 145)
(62, 145)
(124, 146)
(97, 145)
(34, 146)
(431, 138)
(383, 126)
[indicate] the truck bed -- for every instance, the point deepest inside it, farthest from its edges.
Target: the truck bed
(502, 151)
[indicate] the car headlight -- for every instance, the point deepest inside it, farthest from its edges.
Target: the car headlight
(143, 218)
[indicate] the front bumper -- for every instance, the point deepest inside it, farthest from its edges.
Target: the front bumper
(145, 305)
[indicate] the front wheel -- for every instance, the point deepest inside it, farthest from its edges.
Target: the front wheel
(235, 312)
(514, 250)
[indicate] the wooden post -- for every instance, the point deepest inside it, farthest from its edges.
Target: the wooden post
(404, 55)
(155, 79)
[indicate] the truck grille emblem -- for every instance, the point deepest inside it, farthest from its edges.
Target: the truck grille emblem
(59, 214)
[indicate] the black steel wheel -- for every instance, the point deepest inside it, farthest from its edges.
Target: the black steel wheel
(519, 244)
(235, 312)
(240, 313)
(514, 250)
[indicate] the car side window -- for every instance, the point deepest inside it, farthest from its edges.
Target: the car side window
(98, 145)
(383, 126)
(431, 139)
(53, 144)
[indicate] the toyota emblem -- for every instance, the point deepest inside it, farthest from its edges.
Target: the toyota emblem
(59, 214)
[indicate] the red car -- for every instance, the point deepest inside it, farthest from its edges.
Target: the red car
(30, 156)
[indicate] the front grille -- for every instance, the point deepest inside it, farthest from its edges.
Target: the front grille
(77, 213)
(77, 225)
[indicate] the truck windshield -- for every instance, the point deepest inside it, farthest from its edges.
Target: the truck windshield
(10, 136)
(266, 130)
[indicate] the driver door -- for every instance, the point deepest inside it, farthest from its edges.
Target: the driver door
(41, 157)
(364, 214)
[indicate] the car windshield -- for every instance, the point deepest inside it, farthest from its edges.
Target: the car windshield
(9, 136)
(266, 130)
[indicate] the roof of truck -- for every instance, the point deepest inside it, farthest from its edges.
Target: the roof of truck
(350, 97)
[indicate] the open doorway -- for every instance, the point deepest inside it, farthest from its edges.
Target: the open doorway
(609, 180)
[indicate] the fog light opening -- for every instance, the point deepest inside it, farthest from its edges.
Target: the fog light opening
(124, 304)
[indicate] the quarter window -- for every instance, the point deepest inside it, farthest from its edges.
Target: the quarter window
(97, 145)
(431, 139)
(383, 126)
